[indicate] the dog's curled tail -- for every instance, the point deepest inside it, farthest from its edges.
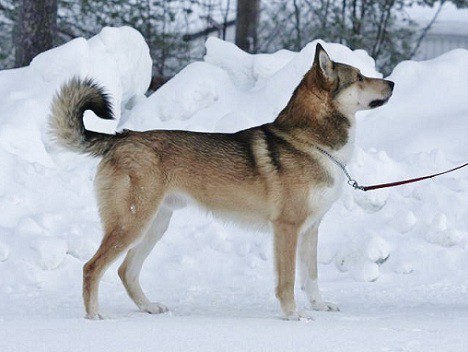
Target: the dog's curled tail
(66, 119)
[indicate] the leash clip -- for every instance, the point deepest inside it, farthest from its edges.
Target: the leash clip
(355, 185)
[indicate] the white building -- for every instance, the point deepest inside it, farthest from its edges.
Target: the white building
(449, 31)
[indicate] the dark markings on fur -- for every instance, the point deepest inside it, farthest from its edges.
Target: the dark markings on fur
(221, 144)
(338, 88)
(245, 138)
(99, 104)
(287, 145)
(346, 76)
(304, 160)
(277, 145)
(273, 143)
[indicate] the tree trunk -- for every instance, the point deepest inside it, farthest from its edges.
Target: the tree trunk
(248, 13)
(36, 29)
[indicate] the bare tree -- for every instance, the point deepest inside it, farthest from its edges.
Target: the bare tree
(381, 27)
(225, 11)
(248, 13)
(35, 30)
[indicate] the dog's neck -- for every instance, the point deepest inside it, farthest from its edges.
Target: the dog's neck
(311, 116)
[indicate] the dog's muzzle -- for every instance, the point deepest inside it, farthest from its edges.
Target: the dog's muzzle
(379, 102)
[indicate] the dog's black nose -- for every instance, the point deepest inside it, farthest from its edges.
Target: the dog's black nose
(391, 84)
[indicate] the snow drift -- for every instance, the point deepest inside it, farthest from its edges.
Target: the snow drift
(48, 218)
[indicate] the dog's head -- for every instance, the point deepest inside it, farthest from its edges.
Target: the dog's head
(347, 89)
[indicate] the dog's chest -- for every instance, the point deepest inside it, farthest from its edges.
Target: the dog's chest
(321, 197)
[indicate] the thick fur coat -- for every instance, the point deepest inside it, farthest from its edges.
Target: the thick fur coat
(271, 175)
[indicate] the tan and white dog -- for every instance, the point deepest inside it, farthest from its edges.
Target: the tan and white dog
(273, 175)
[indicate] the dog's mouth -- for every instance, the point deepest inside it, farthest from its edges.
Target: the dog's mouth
(378, 102)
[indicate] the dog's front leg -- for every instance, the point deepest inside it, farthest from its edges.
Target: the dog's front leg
(308, 259)
(286, 236)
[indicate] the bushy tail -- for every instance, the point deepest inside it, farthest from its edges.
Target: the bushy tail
(66, 119)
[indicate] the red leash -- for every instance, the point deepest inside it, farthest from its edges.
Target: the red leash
(399, 183)
(356, 185)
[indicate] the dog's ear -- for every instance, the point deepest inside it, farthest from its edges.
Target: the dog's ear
(323, 64)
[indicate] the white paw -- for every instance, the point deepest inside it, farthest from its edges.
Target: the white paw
(324, 306)
(154, 308)
(298, 316)
(95, 316)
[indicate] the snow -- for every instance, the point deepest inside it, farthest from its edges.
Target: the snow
(438, 89)
(394, 260)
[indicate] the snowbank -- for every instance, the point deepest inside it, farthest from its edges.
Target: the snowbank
(36, 180)
(48, 219)
(118, 58)
(428, 111)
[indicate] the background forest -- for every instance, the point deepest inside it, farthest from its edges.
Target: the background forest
(176, 29)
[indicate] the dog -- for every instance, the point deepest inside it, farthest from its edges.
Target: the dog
(273, 175)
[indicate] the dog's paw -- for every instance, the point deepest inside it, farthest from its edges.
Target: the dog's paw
(324, 306)
(95, 316)
(298, 316)
(154, 308)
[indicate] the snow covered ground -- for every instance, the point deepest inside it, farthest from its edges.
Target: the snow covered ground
(396, 261)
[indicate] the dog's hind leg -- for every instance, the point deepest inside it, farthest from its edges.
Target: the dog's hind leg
(129, 271)
(127, 204)
(115, 241)
(308, 265)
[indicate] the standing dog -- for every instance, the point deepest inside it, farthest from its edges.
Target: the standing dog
(273, 174)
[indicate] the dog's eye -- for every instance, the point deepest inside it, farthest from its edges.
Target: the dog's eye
(360, 77)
